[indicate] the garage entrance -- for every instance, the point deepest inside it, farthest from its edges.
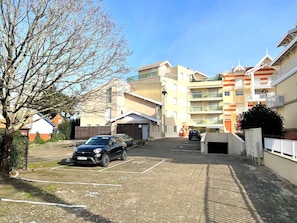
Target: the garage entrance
(132, 130)
(218, 147)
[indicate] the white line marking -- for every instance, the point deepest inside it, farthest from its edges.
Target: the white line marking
(185, 150)
(121, 163)
(60, 182)
(153, 166)
(44, 203)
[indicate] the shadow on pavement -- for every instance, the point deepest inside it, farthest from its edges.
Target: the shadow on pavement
(47, 197)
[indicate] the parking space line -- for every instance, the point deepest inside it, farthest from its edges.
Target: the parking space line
(109, 168)
(43, 203)
(64, 182)
(185, 150)
(121, 163)
(153, 166)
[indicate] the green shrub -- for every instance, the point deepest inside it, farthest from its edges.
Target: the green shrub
(18, 150)
(38, 139)
(64, 130)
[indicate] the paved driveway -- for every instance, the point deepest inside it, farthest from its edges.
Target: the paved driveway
(164, 181)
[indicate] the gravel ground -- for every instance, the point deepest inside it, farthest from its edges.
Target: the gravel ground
(164, 181)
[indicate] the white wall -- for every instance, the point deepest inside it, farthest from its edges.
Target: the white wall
(285, 167)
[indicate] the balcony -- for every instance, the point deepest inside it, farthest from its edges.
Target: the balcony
(285, 69)
(212, 96)
(212, 109)
(258, 97)
(275, 101)
(207, 122)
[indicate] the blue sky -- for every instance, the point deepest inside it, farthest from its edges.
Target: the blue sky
(209, 36)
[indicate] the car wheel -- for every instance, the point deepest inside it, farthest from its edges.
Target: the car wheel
(105, 160)
(124, 155)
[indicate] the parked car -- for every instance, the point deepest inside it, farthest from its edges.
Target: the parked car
(126, 138)
(100, 149)
(194, 134)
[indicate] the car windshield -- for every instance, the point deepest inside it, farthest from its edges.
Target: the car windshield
(98, 141)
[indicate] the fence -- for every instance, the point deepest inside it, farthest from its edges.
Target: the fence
(284, 147)
(254, 150)
(84, 132)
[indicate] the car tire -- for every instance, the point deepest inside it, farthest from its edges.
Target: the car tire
(124, 155)
(105, 160)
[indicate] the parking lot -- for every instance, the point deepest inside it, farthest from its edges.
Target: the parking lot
(166, 180)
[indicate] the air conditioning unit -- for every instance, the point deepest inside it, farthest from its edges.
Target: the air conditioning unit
(279, 101)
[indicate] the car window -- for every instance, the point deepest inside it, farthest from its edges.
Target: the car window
(98, 141)
(118, 139)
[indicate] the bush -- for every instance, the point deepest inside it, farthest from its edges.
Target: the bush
(18, 151)
(38, 139)
(64, 130)
(260, 116)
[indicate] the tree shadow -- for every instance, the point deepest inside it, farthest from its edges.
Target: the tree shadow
(263, 195)
(47, 197)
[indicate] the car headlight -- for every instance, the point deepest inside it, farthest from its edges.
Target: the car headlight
(97, 150)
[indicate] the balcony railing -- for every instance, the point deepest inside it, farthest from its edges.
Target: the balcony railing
(206, 109)
(256, 97)
(152, 74)
(207, 121)
(199, 95)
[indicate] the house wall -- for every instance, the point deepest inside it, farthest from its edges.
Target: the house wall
(58, 119)
(285, 82)
(41, 126)
(133, 103)
(288, 89)
(94, 109)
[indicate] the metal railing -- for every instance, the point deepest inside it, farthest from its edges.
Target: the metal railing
(284, 147)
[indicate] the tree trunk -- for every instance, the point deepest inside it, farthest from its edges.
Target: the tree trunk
(6, 147)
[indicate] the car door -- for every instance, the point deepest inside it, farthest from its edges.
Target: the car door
(115, 148)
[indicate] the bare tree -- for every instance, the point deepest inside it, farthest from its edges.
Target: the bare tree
(69, 46)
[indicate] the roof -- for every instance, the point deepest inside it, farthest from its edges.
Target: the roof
(289, 36)
(286, 50)
(263, 63)
(135, 113)
(40, 116)
(144, 98)
(154, 65)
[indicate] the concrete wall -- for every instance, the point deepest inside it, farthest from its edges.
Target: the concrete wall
(283, 166)
(236, 145)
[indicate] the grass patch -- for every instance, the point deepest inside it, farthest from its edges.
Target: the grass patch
(43, 164)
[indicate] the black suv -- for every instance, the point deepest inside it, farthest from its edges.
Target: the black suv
(99, 149)
(194, 134)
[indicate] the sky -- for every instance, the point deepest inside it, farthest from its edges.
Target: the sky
(209, 36)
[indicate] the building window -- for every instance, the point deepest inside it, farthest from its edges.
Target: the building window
(238, 93)
(108, 95)
(108, 113)
(175, 128)
(158, 112)
(227, 93)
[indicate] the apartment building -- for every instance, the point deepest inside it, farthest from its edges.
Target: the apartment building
(190, 100)
(167, 84)
(205, 102)
(285, 82)
(181, 98)
(245, 87)
(113, 105)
